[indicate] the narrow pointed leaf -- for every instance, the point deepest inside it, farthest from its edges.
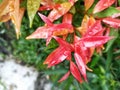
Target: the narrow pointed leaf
(115, 23)
(103, 4)
(57, 13)
(41, 32)
(32, 7)
(57, 56)
(64, 43)
(87, 23)
(95, 41)
(16, 15)
(75, 72)
(46, 32)
(81, 49)
(84, 25)
(45, 19)
(88, 4)
(65, 77)
(62, 29)
(111, 11)
(81, 65)
(94, 29)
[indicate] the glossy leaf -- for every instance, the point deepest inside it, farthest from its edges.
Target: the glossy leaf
(107, 12)
(81, 49)
(65, 77)
(47, 32)
(88, 4)
(63, 43)
(81, 65)
(50, 30)
(56, 57)
(60, 11)
(32, 7)
(41, 32)
(45, 19)
(95, 29)
(95, 41)
(68, 46)
(60, 54)
(87, 22)
(115, 23)
(75, 72)
(103, 4)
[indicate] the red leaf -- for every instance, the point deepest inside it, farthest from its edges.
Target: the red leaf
(75, 72)
(115, 23)
(48, 5)
(60, 54)
(65, 77)
(81, 65)
(95, 41)
(63, 43)
(45, 19)
(81, 49)
(46, 32)
(95, 29)
(58, 12)
(41, 32)
(87, 22)
(57, 56)
(67, 18)
(103, 4)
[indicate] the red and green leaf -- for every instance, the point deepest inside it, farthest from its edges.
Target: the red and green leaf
(115, 23)
(103, 4)
(60, 11)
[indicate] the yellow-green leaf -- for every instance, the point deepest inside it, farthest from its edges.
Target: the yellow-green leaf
(32, 7)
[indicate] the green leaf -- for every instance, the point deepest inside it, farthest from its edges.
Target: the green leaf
(32, 7)
(53, 72)
(114, 33)
(119, 2)
(1, 1)
(107, 12)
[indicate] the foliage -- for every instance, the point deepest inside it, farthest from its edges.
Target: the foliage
(80, 35)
